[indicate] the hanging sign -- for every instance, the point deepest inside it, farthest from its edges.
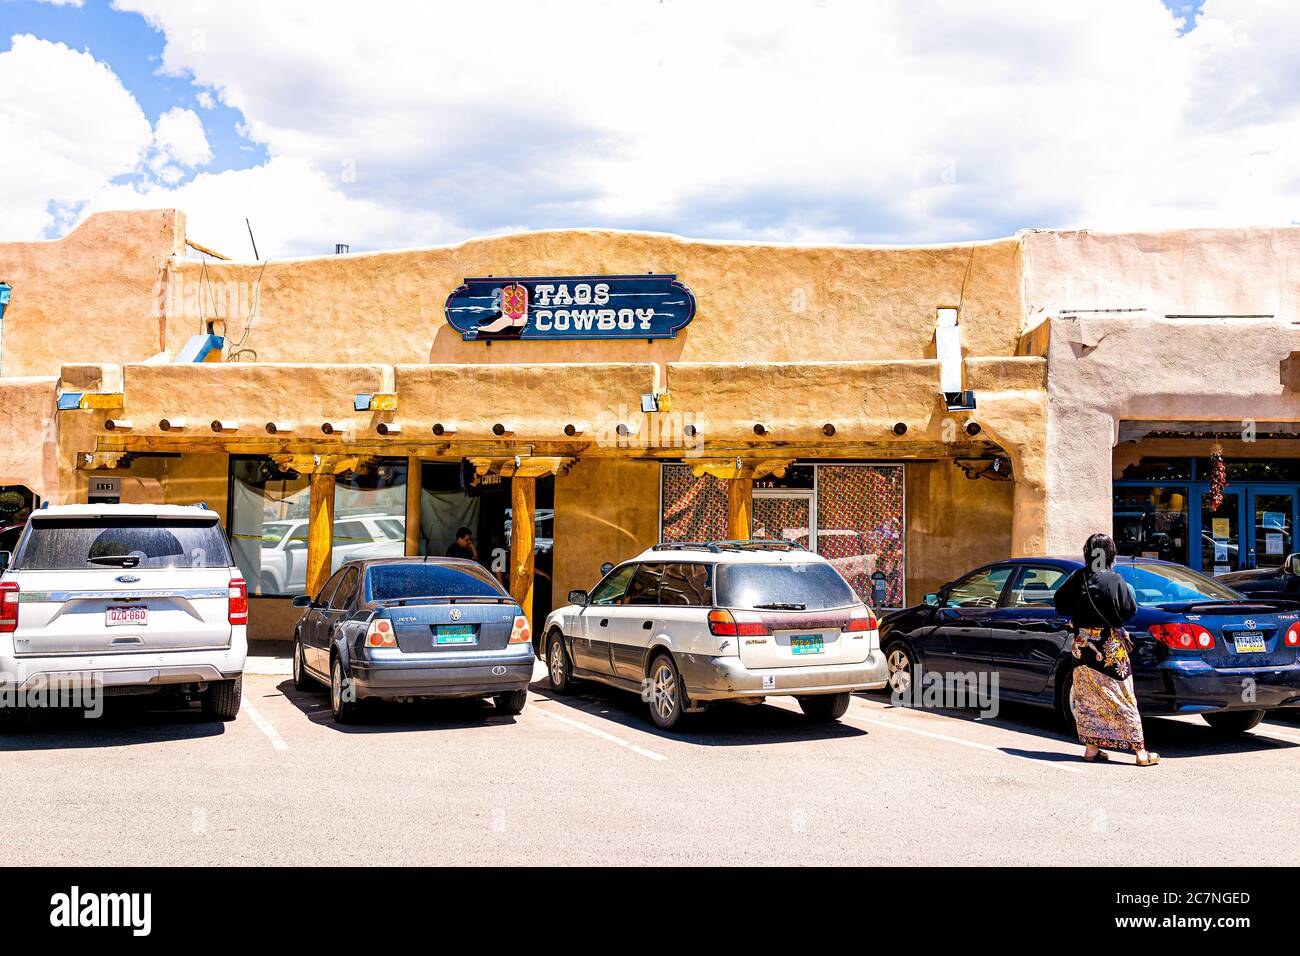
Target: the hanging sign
(571, 307)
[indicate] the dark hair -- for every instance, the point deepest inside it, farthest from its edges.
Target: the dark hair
(1099, 549)
(463, 532)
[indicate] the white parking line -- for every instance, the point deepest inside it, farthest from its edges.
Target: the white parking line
(596, 732)
(1264, 731)
(896, 725)
(264, 726)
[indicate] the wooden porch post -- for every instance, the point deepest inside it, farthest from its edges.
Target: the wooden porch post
(523, 497)
(414, 479)
(320, 531)
(740, 507)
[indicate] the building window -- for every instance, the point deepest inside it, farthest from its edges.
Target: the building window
(1151, 522)
(860, 526)
(692, 509)
(370, 513)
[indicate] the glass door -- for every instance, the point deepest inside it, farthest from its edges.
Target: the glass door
(1221, 534)
(1270, 526)
(785, 516)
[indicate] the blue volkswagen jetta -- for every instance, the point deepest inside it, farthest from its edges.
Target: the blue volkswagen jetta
(413, 627)
(1199, 646)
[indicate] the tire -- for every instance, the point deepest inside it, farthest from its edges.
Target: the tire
(558, 665)
(1064, 709)
(344, 711)
(825, 708)
(902, 669)
(511, 703)
(301, 679)
(1234, 721)
(221, 699)
(667, 692)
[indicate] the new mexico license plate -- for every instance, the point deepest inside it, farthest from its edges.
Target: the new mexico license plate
(806, 644)
(116, 615)
(1249, 642)
(454, 634)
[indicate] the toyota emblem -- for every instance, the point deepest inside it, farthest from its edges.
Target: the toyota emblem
(498, 671)
(1250, 625)
(455, 614)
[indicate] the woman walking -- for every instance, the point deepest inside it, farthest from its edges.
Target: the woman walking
(1099, 603)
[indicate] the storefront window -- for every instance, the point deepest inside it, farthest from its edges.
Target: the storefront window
(694, 509)
(16, 504)
(268, 526)
(860, 523)
(1151, 522)
(370, 513)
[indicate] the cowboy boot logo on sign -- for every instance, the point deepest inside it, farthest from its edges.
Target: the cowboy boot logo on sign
(514, 310)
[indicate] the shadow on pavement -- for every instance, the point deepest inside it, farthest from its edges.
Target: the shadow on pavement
(722, 725)
(388, 717)
(125, 722)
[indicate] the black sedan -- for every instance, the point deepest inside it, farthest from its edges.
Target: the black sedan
(413, 627)
(1199, 647)
(1280, 581)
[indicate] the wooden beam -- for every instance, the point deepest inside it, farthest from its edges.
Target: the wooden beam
(740, 508)
(413, 480)
(523, 498)
(320, 531)
(520, 466)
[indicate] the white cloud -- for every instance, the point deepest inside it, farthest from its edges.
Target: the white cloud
(889, 121)
(67, 126)
(180, 136)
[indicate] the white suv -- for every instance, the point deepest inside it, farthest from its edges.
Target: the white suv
(123, 598)
(687, 624)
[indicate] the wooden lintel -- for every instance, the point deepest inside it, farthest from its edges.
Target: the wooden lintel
(523, 467)
(733, 468)
(324, 464)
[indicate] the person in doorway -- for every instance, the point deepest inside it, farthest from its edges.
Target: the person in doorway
(1099, 603)
(463, 546)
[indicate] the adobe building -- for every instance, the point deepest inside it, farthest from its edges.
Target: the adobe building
(572, 397)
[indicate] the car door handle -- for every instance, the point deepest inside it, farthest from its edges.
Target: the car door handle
(646, 625)
(604, 622)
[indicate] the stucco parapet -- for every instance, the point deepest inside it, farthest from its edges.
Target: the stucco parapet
(1006, 374)
(90, 377)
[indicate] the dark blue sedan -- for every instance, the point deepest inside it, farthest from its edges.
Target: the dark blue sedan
(413, 627)
(1199, 647)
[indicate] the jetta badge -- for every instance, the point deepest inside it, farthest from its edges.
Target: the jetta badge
(455, 614)
(127, 578)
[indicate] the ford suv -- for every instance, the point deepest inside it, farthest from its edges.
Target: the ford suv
(691, 623)
(126, 599)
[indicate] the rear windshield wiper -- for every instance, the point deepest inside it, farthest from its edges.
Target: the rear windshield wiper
(780, 607)
(117, 560)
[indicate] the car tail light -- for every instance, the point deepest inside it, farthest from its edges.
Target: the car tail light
(1183, 637)
(237, 608)
(1292, 638)
(380, 633)
(8, 607)
(722, 623)
(863, 619)
(520, 633)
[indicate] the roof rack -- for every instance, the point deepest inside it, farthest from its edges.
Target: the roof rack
(717, 547)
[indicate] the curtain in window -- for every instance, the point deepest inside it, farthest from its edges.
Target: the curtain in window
(694, 509)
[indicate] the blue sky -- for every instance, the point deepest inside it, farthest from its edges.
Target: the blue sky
(386, 124)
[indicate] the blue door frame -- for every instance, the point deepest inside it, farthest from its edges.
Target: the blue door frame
(1245, 493)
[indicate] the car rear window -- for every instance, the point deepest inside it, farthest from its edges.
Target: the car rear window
(80, 543)
(394, 582)
(1170, 584)
(811, 586)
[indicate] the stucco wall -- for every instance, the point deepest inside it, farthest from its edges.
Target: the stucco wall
(28, 441)
(954, 524)
(1215, 318)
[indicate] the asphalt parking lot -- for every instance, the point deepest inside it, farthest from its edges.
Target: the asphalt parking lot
(588, 779)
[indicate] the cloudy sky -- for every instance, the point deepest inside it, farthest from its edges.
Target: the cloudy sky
(385, 124)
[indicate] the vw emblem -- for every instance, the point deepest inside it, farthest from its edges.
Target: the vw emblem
(455, 614)
(1250, 625)
(498, 671)
(127, 578)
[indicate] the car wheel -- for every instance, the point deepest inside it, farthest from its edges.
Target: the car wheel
(301, 680)
(344, 709)
(1065, 699)
(511, 703)
(902, 670)
(825, 708)
(221, 699)
(557, 664)
(1234, 721)
(666, 692)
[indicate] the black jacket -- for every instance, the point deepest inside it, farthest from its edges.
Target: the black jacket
(1096, 600)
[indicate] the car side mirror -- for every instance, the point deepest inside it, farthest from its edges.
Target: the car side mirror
(1292, 564)
(579, 598)
(302, 600)
(932, 600)
(606, 568)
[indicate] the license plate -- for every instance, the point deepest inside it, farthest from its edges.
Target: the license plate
(806, 644)
(117, 615)
(1249, 642)
(454, 634)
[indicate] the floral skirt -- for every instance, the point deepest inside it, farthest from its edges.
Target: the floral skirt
(1105, 710)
